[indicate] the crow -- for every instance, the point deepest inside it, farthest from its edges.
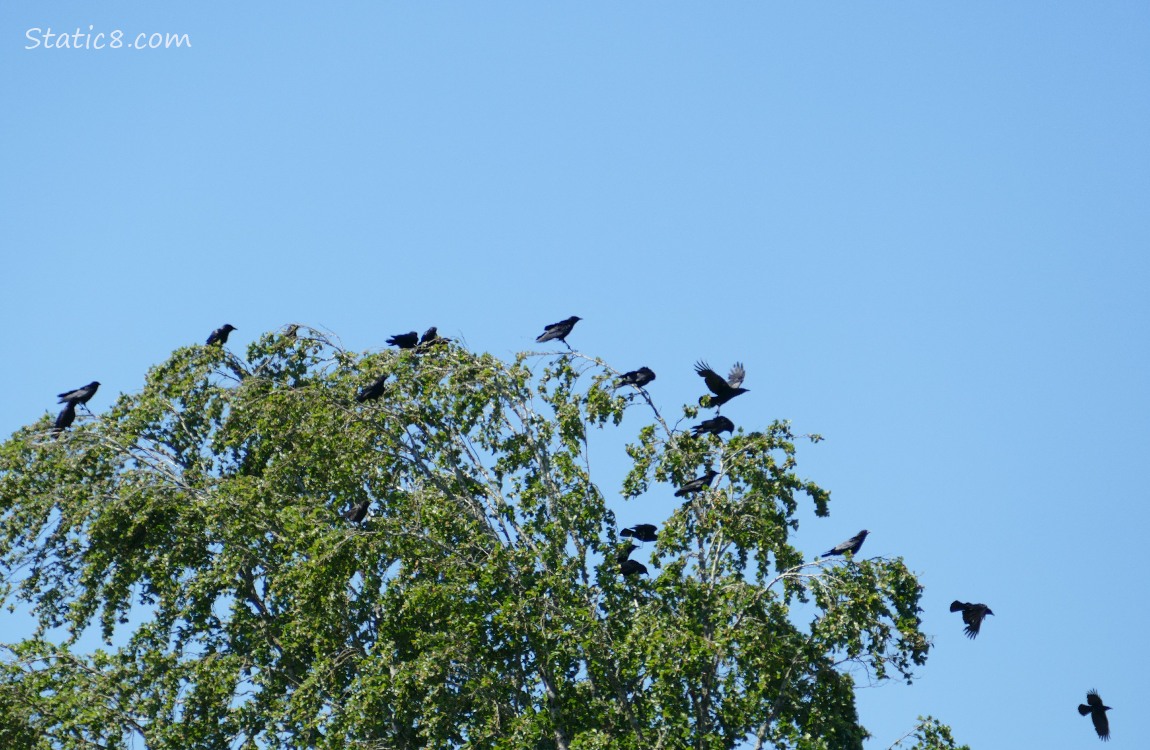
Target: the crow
(851, 545)
(560, 330)
(637, 378)
(724, 390)
(644, 532)
(697, 484)
(972, 615)
(220, 335)
(430, 336)
(632, 568)
(404, 340)
(625, 552)
(713, 426)
(65, 418)
(358, 512)
(1097, 711)
(81, 395)
(373, 391)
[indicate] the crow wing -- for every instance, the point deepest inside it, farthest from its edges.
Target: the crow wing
(714, 381)
(737, 375)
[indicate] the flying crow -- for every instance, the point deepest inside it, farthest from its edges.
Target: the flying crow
(972, 615)
(404, 340)
(358, 512)
(637, 378)
(851, 545)
(1097, 711)
(220, 335)
(724, 390)
(713, 426)
(560, 330)
(697, 484)
(644, 532)
(373, 391)
(81, 395)
(632, 568)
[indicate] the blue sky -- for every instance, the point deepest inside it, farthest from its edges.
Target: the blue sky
(922, 226)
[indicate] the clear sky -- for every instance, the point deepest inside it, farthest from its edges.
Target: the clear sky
(923, 226)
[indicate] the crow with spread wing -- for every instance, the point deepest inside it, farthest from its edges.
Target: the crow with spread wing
(723, 390)
(1097, 711)
(972, 615)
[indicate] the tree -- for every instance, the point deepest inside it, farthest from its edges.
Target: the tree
(199, 524)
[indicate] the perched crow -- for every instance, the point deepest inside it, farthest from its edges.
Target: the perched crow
(625, 552)
(1097, 711)
(358, 512)
(644, 532)
(724, 390)
(697, 484)
(65, 418)
(851, 545)
(637, 378)
(373, 391)
(430, 336)
(632, 568)
(972, 615)
(220, 335)
(404, 340)
(713, 426)
(81, 395)
(560, 330)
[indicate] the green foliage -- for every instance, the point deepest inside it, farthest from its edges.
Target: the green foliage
(931, 734)
(199, 525)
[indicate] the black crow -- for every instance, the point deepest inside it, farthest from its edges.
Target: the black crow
(972, 615)
(65, 418)
(358, 512)
(637, 378)
(1097, 711)
(560, 330)
(220, 335)
(404, 340)
(625, 552)
(713, 426)
(851, 545)
(644, 532)
(430, 336)
(373, 391)
(697, 484)
(632, 568)
(724, 390)
(81, 395)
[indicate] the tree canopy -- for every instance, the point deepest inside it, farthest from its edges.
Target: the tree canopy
(202, 526)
